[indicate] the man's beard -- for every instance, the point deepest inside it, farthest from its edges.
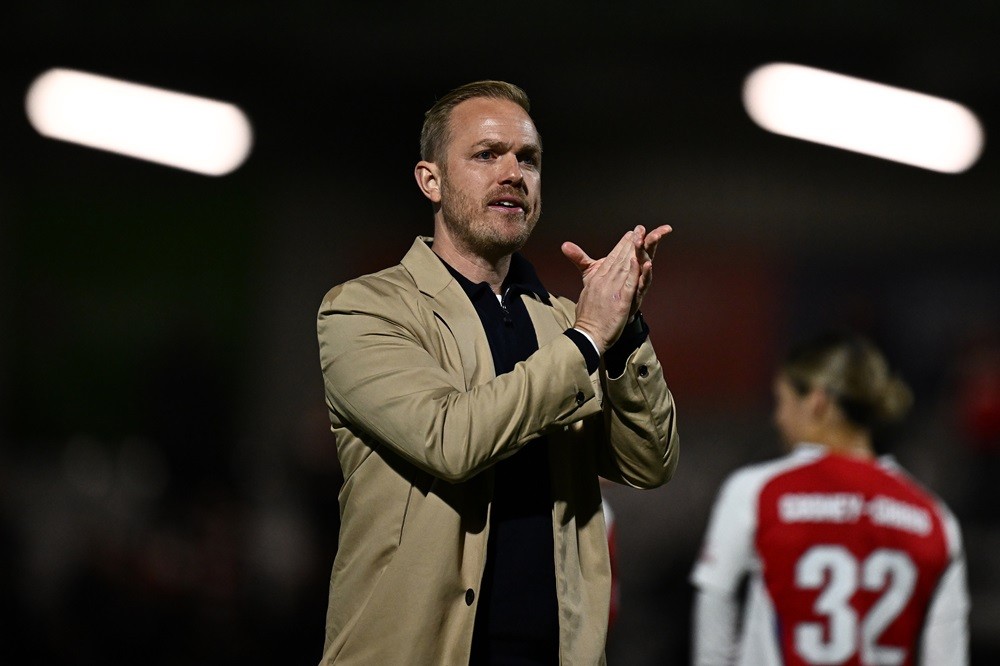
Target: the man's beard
(466, 218)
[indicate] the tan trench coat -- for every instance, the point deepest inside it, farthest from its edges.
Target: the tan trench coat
(419, 418)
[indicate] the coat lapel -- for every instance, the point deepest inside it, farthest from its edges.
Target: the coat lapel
(453, 309)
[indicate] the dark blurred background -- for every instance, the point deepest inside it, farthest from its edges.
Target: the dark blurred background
(167, 478)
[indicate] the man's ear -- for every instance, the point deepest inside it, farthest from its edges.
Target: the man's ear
(428, 177)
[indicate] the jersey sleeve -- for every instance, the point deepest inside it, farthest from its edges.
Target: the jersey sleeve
(727, 551)
(945, 639)
(713, 638)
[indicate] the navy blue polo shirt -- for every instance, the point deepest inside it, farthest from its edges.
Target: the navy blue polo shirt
(517, 619)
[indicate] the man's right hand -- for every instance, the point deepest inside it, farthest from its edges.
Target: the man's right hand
(609, 286)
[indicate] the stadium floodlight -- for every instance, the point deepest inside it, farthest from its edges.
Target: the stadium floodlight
(202, 135)
(863, 116)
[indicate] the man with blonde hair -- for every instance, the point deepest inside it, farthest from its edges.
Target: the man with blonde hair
(474, 412)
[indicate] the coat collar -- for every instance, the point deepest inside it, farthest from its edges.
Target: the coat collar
(456, 312)
(431, 274)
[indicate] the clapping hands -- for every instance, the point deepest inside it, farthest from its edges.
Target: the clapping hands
(614, 286)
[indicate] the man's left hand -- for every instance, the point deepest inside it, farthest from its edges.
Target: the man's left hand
(645, 244)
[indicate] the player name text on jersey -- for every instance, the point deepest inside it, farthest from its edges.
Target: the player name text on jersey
(850, 507)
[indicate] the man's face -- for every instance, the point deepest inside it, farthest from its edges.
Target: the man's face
(491, 176)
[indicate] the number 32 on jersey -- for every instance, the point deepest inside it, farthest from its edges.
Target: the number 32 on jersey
(838, 574)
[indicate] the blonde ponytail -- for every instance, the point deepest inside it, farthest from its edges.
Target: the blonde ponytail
(852, 370)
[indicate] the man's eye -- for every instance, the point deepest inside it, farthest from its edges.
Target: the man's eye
(484, 154)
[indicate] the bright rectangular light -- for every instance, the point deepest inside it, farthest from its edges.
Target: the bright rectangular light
(863, 116)
(176, 129)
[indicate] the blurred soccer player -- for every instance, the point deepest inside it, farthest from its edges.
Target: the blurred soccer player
(850, 561)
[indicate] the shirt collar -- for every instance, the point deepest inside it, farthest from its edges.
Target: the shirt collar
(813, 449)
(521, 277)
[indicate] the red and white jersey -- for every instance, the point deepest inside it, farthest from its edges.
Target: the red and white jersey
(850, 562)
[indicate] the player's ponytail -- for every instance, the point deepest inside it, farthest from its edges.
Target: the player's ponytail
(855, 373)
(895, 402)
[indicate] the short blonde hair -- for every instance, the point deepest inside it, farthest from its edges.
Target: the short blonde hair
(434, 135)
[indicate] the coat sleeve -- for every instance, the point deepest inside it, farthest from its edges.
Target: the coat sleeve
(384, 376)
(641, 445)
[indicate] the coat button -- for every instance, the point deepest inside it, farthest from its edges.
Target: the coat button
(470, 596)
(580, 398)
(643, 371)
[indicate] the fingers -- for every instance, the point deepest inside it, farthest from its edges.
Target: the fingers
(645, 276)
(638, 238)
(609, 290)
(633, 253)
(575, 253)
(630, 280)
(618, 258)
(653, 238)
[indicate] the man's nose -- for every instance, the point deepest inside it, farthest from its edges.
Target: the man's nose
(510, 169)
